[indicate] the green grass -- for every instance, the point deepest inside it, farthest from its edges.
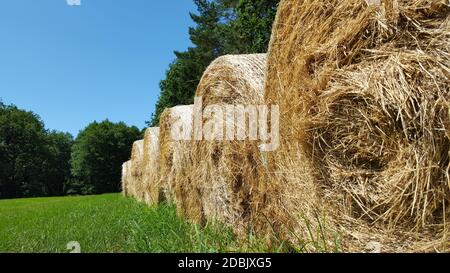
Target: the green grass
(104, 224)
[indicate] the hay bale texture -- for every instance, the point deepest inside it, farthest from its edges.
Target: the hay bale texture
(175, 162)
(137, 183)
(363, 89)
(153, 192)
(126, 175)
(226, 172)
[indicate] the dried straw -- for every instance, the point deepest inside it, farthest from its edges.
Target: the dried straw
(363, 87)
(137, 185)
(126, 174)
(153, 192)
(226, 172)
(176, 163)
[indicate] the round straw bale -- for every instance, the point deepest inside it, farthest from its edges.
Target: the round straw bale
(153, 190)
(126, 172)
(362, 88)
(137, 156)
(175, 161)
(227, 171)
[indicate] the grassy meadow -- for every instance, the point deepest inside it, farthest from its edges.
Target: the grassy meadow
(106, 223)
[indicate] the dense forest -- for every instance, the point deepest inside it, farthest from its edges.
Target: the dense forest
(37, 162)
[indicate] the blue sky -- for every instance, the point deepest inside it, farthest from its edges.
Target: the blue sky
(75, 64)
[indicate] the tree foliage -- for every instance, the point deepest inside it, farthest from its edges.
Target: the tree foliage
(37, 162)
(251, 29)
(57, 167)
(97, 156)
(33, 161)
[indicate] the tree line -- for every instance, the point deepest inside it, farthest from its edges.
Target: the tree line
(35, 161)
